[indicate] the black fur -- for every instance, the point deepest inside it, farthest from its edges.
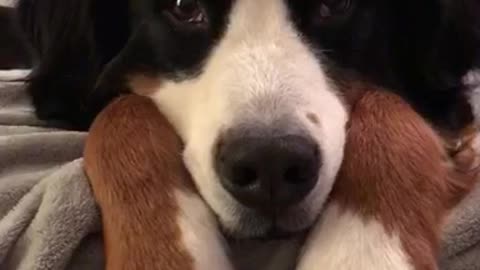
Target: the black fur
(14, 51)
(73, 40)
(421, 49)
(85, 48)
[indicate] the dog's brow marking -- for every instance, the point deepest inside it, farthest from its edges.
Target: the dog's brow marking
(313, 118)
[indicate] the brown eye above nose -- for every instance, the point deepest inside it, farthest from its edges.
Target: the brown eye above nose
(187, 11)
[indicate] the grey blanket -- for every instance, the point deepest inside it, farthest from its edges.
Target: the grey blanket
(48, 217)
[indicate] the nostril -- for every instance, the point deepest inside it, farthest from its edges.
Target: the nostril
(316, 153)
(304, 168)
(300, 174)
(293, 175)
(244, 175)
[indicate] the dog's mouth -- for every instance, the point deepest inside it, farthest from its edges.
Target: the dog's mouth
(258, 226)
(272, 234)
(276, 233)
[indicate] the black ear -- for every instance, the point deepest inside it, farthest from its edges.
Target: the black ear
(72, 41)
(458, 53)
(474, 18)
(441, 41)
(138, 56)
(135, 58)
(460, 41)
(13, 50)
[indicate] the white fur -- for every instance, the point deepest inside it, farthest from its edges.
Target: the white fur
(200, 234)
(209, 250)
(472, 80)
(261, 72)
(342, 240)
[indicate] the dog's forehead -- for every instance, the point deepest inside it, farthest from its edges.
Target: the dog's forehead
(251, 13)
(253, 19)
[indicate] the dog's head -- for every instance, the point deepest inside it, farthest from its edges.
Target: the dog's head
(262, 122)
(247, 84)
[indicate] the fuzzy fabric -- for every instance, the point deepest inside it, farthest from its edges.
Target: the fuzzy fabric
(48, 216)
(7, 3)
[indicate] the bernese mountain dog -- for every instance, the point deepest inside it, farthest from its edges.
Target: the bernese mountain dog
(423, 47)
(251, 86)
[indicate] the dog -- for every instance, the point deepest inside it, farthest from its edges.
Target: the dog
(88, 52)
(251, 86)
(398, 180)
(244, 82)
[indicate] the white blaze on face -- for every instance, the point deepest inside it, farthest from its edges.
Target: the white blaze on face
(261, 71)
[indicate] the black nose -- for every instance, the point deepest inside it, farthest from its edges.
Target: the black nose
(268, 173)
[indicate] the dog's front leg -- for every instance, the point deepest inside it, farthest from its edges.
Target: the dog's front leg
(396, 184)
(344, 240)
(153, 218)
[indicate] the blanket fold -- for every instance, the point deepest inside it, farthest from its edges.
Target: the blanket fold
(48, 216)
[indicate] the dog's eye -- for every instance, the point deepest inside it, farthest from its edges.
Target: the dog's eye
(332, 8)
(187, 11)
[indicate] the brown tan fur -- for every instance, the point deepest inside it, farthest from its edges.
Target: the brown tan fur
(397, 170)
(144, 85)
(133, 160)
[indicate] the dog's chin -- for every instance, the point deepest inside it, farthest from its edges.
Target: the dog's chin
(273, 234)
(257, 226)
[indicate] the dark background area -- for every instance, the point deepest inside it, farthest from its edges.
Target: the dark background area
(14, 53)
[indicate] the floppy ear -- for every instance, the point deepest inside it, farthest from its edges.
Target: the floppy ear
(435, 44)
(135, 58)
(72, 40)
(464, 25)
(14, 53)
(458, 54)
